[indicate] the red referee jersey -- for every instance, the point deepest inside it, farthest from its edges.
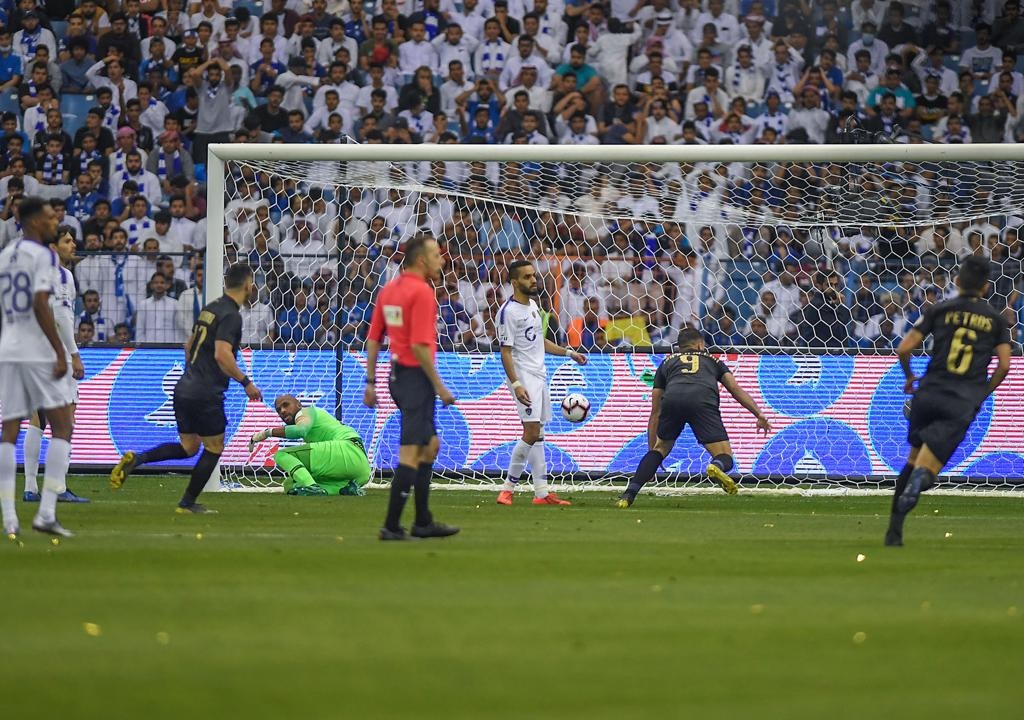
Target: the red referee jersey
(406, 310)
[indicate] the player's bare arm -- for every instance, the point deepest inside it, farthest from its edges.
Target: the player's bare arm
(908, 346)
(225, 357)
(513, 378)
(556, 349)
(370, 393)
(1002, 367)
(652, 421)
(44, 316)
(749, 404)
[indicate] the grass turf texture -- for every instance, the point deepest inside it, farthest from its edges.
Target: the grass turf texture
(730, 607)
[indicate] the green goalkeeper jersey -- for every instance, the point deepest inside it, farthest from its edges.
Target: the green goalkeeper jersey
(314, 425)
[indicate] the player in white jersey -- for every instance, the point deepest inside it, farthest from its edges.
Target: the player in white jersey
(523, 346)
(34, 371)
(62, 302)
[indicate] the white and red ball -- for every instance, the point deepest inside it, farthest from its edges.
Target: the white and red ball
(575, 407)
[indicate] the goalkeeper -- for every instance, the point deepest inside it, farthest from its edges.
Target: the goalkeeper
(331, 462)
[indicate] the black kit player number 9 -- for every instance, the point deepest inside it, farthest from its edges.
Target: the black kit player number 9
(689, 364)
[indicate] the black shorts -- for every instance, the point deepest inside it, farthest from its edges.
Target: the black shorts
(202, 416)
(703, 417)
(940, 421)
(414, 395)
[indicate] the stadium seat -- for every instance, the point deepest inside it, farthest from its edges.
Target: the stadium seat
(72, 123)
(77, 105)
(59, 27)
(255, 7)
(9, 103)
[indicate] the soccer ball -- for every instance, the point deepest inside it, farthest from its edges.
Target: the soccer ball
(575, 407)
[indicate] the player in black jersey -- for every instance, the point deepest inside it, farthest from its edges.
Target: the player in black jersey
(199, 395)
(686, 392)
(967, 332)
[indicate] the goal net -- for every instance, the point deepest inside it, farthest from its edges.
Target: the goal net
(802, 265)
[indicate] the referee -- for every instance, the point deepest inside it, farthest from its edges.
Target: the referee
(406, 310)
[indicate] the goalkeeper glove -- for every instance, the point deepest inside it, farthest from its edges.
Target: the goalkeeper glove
(257, 438)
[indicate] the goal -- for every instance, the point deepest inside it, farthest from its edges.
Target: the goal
(803, 265)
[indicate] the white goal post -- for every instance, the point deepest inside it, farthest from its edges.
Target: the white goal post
(745, 242)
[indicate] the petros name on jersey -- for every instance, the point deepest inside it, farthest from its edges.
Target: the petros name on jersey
(963, 318)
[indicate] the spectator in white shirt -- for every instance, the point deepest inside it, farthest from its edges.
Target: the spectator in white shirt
(660, 125)
(710, 94)
(123, 88)
(726, 24)
(868, 41)
(329, 46)
(348, 93)
(784, 71)
(527, 55)
(809, 116)
(457, 84)
(156, 315)
(453, 45)
(492, 54)
(743, 79)
(31, 35)
(417, 51)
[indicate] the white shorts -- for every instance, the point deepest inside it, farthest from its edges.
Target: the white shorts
(29, 386)
(539, 409)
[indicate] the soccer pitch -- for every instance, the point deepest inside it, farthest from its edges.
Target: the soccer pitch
(703, 606)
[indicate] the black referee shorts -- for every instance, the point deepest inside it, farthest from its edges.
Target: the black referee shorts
(699, 412)
(939, 421)
(202, 416)
(414, 395)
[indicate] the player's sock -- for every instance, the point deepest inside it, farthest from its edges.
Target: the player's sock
(539, 469)
(167, 451)
(723, 462)
(422, 495)
(401, 484)
(33, 446)
(920, 480)
(200, 476)
(58, 457)
(297, 472)
(644, 472)
(517, 464)
(8, 470)
(901, 484)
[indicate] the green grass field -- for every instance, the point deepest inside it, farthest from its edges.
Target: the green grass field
(704, 606)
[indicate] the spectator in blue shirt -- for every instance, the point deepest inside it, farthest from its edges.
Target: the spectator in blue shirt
(294, 132)
(298, 324)
(482, 128)
(82, 202)
(11, 69)
(73, 69)
(721, 329)
(499, 233)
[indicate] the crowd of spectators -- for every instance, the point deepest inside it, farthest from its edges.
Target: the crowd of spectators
(156, 82)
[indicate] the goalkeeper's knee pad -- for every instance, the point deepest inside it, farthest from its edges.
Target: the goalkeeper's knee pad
(724, 462)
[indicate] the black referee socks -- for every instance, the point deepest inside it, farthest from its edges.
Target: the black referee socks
(645, 471)
(901, 484)
(422, 485)
(401, 485)
(200, 476)
(167, 451)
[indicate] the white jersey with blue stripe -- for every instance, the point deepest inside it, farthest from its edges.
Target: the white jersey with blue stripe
(521, 327)
(62, 301)
(26, 268)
